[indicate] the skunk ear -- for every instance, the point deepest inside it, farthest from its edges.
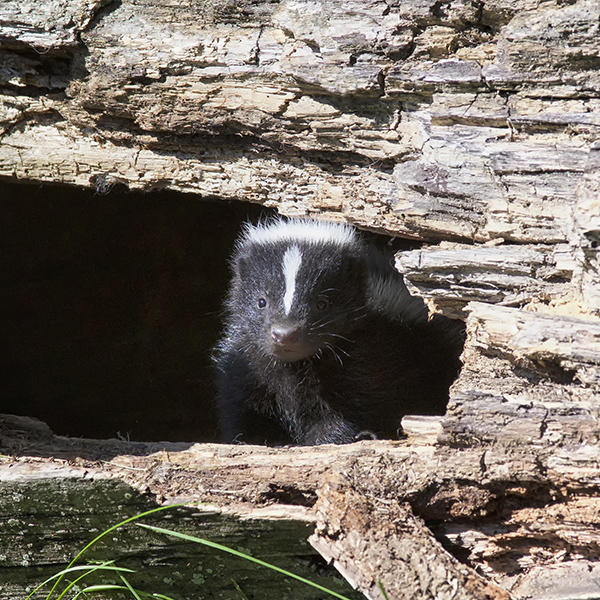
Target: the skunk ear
(241, 263)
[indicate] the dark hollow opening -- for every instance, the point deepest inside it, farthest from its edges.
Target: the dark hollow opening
(110, 306)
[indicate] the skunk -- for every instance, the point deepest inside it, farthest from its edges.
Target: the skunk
(323, 342)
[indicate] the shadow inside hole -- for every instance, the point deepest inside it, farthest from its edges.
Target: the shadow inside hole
(110, 307)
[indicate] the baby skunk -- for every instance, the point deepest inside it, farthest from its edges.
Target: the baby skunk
(323, 343)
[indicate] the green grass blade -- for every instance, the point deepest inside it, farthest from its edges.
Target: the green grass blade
(108, 566)
(262, 563)
(124, 588)
(87, 568)
(239, 590)
(382, 590)
(97, 539)
(99, 588)
(135, 594)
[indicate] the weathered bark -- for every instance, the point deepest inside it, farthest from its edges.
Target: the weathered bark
(380, 546)
(452, 275)
(475, 124)
(471, 121)
(467, 122)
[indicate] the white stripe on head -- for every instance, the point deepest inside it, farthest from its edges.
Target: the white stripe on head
(291, 265)
(298, 230)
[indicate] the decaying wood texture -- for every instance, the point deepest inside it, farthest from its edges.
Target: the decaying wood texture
(359, 534)
(452, 275)
(467, 121)
(470, 126)
(506, 480)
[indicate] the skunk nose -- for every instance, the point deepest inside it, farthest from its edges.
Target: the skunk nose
(285, 335)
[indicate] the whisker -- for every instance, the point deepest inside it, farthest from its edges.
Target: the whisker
(341, 350)
(337, 356)
(341, 337)
(340, 317)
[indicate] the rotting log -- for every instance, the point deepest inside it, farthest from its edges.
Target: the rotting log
(469, 123)
(507, 481)
(452, 275)
(472, 122)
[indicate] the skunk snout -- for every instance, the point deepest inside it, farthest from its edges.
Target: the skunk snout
(290, 343)
(286, 335)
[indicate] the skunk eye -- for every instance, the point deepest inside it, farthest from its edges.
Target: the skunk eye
(262, 302)
(322, 304)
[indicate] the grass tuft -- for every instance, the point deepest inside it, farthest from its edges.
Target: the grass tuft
(82, 571)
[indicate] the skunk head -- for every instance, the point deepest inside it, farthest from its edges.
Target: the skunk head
(298, 287)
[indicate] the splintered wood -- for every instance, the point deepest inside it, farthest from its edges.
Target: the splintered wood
(380, 546)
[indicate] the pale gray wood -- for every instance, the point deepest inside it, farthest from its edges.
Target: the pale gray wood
(46, 25)
(437, 123)
(376, 532)
(452, 275)
(461, 124)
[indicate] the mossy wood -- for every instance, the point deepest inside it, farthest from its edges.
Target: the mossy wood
(47, 522)
(471, 126)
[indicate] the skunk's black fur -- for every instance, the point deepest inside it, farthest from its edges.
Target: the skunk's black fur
(323, 343)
